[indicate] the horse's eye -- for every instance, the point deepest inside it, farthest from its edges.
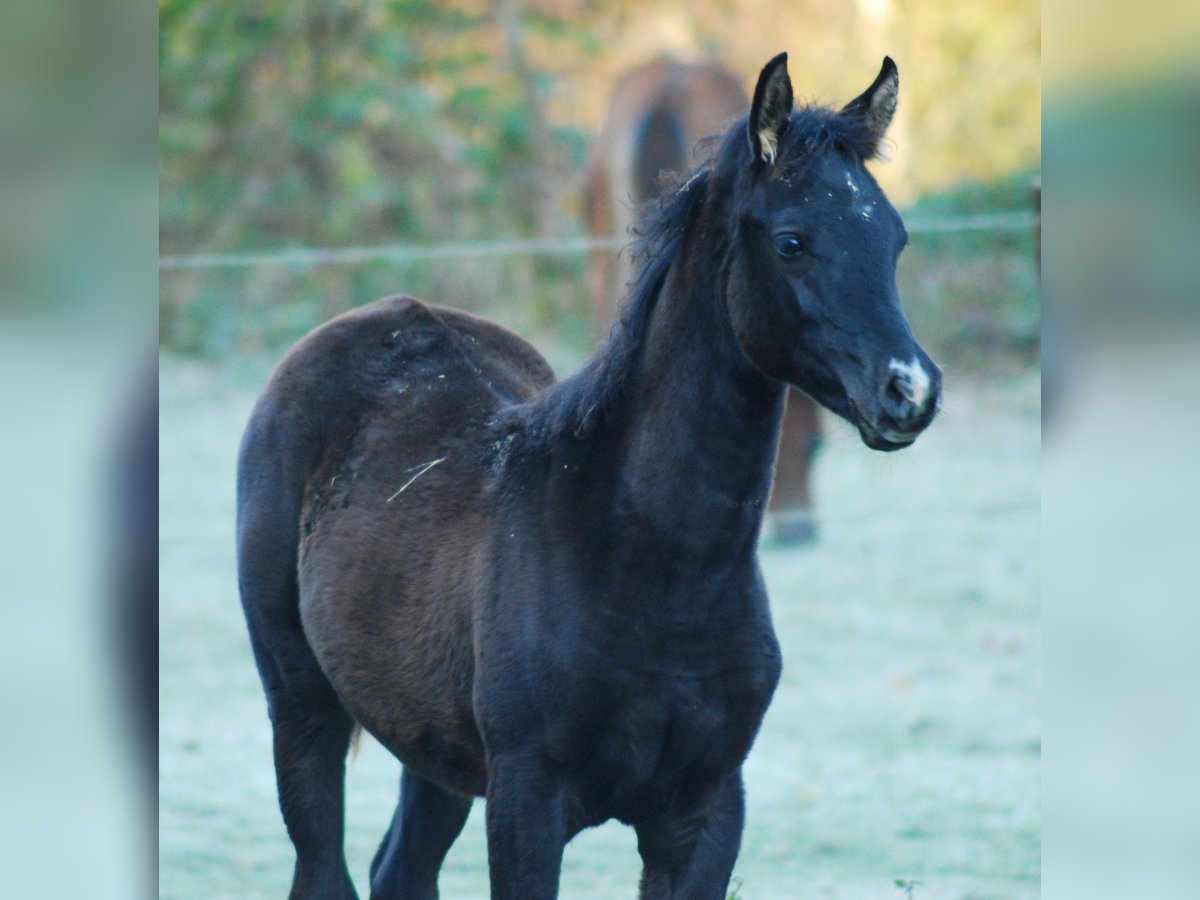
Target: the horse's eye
(788, 245)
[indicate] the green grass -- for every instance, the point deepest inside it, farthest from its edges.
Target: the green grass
(903, 744)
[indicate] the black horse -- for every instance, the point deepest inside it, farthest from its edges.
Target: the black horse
(547, 593)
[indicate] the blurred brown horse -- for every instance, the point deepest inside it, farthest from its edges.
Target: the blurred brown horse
(659, 114)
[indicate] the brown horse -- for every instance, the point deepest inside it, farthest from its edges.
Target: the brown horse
(658, 118)
(548, 593)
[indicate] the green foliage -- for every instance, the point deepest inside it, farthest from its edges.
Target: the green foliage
(332, 124)
(972, 297)
(329, 124)
(222, 312)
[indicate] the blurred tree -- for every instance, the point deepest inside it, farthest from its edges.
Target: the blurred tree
(327, 121)
(339, 122)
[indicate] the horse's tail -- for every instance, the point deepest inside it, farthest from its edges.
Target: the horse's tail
(660, 145)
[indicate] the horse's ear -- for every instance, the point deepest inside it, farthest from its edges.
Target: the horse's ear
(877, 104)
(771, 109)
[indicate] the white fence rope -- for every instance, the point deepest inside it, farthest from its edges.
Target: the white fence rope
(405, 253)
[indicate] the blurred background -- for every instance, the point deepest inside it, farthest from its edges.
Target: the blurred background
(327, 125)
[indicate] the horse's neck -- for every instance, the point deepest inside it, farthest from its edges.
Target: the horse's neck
(701, 423)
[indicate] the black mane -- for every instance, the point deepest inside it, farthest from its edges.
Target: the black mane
(576, 404)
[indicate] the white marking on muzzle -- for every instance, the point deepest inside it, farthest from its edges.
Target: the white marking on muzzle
(913, 382)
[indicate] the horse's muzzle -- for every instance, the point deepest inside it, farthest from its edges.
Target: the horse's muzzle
(908, 400)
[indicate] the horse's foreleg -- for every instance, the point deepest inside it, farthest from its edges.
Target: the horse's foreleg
(426, 823)
(526, 827)
(691, 856)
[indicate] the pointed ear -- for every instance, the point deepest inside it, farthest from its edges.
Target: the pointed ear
(771, 109)
(877, 104)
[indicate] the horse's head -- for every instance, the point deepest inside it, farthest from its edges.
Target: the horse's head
(812, 273)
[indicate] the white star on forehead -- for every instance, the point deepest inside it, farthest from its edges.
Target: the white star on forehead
(867, 208)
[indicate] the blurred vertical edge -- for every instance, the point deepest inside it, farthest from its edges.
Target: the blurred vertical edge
(1121, 342)
(78, 387)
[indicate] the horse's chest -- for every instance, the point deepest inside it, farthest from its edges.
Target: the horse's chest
(667, 735)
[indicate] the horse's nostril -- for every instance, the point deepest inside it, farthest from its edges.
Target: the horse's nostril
(894, 392)
(897, 400)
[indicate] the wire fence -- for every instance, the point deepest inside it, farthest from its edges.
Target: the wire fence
(300, 257)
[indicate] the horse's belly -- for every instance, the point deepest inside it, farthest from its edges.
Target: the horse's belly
(396, 644)
(445, 751)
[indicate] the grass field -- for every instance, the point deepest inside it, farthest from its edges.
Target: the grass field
(903, 742)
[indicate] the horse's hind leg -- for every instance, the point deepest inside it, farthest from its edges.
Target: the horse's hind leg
(426, 823)
(311, 740)
(311, 728)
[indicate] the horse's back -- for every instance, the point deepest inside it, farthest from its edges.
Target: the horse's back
(364, 401)
(437, 368)
(359, 356)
